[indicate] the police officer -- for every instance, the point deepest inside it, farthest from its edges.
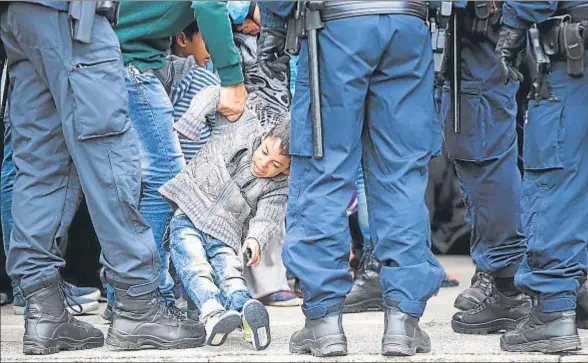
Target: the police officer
(485, 151)
(376, 80)
(68, 112)
(555, 153)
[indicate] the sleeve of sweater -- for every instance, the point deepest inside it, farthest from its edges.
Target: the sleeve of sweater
(215, 25)
(265, 226)
(202, 104)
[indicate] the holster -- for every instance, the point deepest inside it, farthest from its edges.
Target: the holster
(484, 16)
(564, 39)
(81, 14)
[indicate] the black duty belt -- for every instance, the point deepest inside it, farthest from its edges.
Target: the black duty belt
(333, 10)
(578, 12)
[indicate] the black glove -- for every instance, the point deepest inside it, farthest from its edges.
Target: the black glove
(509, 50)
(271, 55)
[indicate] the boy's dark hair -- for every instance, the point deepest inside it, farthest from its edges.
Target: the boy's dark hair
(281, 131)
(190, 30)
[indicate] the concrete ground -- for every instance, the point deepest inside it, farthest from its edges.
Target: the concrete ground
(364, 332)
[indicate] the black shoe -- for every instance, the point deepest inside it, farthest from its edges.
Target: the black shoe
(543, 332)
(49, 327)
(497, 312)
(322, 337)
(582, 306)
(481, 288)
(366, 293)
(148, 320)
(402, 335)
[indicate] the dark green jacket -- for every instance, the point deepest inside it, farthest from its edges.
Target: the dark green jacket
(145, 29)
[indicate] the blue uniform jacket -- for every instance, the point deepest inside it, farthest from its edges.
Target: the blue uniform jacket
(521, 14)
(274, 14)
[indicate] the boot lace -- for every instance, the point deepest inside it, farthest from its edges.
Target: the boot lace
(169, 308)
(69, 297)
(484, 282)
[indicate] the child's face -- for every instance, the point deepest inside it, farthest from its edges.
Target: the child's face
(268, 161)
(195, 47)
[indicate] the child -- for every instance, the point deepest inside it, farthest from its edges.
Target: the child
(183, 76)
(230, 199)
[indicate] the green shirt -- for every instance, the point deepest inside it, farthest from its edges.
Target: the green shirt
(145, 29)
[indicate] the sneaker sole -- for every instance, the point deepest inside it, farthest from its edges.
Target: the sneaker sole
(135, 342)
(553, 345)
(329, 346)
(490, 327)
(36, 348)
(223, 328)
(257, 317)
(293, 302)
(363, 306)
(464, 304)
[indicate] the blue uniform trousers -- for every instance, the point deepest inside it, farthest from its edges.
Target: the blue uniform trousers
(485, 153)
(555, 192)
(377, 108)
(71, 133)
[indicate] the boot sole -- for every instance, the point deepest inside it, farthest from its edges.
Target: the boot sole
(362, 306)
(553, 345)
(222, 329)
(329, 346)
(52, 347)
(136, 342)
(398, 349)
(490, 327)
(464, 304)
(257, 317)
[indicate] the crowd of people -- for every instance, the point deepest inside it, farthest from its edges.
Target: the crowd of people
(187, 130)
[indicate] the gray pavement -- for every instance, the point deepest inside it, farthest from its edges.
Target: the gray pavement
(364, 332)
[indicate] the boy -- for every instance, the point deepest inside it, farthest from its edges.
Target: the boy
(235, 189)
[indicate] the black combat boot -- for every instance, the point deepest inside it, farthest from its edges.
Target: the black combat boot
(322, 337)
(49, 327)
(582, 306)
(366, 293)
(497, 312)
(148, 320)
(402, 335)
(543, 332)
(480, 289)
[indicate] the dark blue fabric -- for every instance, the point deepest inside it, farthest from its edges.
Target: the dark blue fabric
(521, 14)
(377, 107)
(485, 155)
(554, 195)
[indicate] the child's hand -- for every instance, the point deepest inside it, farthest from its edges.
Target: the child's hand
(253, 245)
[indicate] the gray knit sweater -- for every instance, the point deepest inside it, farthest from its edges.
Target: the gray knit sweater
(217, 190)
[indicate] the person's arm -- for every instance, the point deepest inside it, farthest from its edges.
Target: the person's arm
(215, 25)
(266, 225)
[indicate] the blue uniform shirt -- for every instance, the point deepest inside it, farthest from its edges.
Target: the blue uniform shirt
(521, 14)
(274, 14)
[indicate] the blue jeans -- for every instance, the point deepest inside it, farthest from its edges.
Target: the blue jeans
(362, 213)
(151, 114)
(211, 271)
(372, 109)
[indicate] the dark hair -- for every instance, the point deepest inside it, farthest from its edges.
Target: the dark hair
(281, 131)
(189, 31)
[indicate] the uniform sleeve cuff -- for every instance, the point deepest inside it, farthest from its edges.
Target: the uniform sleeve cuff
(230, 75)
